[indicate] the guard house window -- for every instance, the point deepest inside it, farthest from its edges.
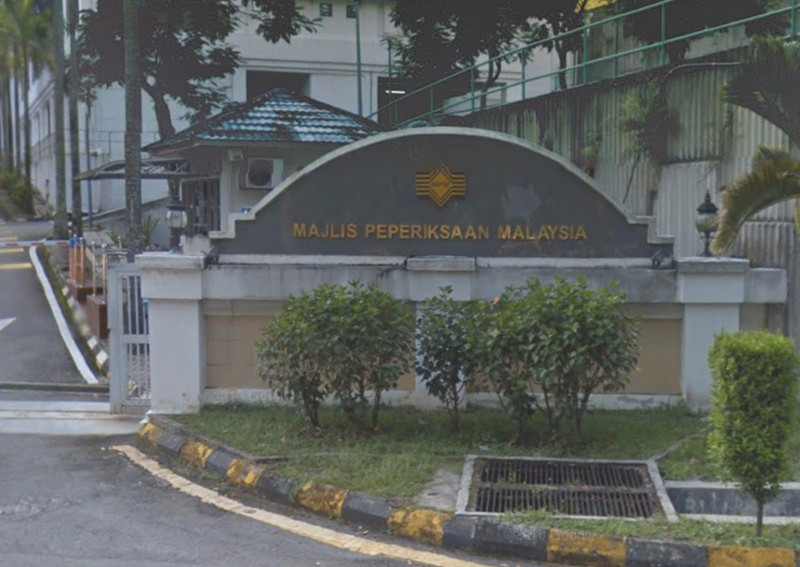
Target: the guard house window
(203, 205)
(351, 11)
(326, 9)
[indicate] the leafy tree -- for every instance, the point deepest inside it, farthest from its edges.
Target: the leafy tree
(766, 83)
(688, 16)
(753, 403)
(183, 48)
(446, 36)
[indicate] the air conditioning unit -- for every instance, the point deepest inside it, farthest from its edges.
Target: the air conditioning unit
(261, 174)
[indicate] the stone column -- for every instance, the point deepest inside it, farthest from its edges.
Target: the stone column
(172, 284)
(711, 291)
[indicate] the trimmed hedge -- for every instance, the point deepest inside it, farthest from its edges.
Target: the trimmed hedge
(754, 399)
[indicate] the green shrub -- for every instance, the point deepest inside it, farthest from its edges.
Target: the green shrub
(20, 193)
(290, 357)
(348, 341)
(564, 340)
(442, 349)
(369, 345)
(753, 400)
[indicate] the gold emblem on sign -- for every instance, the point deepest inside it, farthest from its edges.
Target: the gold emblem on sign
(441, 185)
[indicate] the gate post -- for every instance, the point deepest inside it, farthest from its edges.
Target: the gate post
(172, 284)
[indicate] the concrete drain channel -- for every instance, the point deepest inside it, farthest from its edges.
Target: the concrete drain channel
(600, 489)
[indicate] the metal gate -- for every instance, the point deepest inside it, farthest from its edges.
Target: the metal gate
(129, 333)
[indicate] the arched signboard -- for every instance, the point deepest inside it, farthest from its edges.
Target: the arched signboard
(440, 191)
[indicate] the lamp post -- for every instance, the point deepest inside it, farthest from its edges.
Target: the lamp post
(176, 221)
(706, 222)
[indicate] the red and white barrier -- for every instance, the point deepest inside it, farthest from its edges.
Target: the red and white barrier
(27, 243)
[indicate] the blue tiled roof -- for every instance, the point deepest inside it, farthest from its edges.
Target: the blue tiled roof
(279, 115)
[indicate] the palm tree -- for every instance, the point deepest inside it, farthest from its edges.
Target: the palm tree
(30, 34)
(6, 70)
(767, 83)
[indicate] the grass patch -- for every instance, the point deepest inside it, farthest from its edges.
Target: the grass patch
(689, 460)
(695, 531)
(412, 444)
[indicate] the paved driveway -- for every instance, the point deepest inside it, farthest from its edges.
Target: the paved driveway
(31, 350)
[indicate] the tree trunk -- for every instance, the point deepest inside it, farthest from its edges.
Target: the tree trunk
(495, 67)
(26, 118)
(759, 517)
(74, 131)
(60, 228)
(165, 130)
(17, 129)
(8, 131)
(562, 64)
(26, 123)
(133, 127)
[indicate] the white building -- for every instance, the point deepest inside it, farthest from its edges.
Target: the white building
(321, 65)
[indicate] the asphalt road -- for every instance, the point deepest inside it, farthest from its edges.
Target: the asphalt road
(31, 350)
(69, 501)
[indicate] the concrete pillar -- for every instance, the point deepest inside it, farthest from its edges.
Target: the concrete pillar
(711, 291)
(172, 283)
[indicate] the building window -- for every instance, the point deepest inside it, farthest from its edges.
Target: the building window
(203, 205)
(352, 11)
(326, 9)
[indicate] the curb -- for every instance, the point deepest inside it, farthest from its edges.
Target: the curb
(471, 533)
(97, 355)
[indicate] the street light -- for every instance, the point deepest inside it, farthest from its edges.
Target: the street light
(706, 222)
(176, 221)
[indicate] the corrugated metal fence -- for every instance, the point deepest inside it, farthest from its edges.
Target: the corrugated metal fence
(713, 145)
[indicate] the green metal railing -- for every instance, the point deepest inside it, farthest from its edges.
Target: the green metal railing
(579, 69)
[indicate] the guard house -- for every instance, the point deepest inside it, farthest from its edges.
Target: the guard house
(238, 156)
(418, 209)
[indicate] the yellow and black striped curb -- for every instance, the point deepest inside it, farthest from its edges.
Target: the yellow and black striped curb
(480, 534)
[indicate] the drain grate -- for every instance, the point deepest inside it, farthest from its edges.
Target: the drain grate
(574, 488)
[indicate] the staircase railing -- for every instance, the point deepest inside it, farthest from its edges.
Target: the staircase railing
(471, 100)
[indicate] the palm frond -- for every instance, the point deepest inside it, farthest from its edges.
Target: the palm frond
(774, 177)
(767, 82)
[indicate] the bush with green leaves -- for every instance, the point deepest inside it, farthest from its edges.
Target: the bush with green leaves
(291, 356)
(562, 340)
(443, 350)
(753, 401)
(347, 341)
(370, 345)
(20, 193)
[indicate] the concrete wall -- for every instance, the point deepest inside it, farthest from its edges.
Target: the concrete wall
(233, 327)
(681, 309)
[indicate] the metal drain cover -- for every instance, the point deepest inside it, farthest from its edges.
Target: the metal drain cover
(624, 489)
